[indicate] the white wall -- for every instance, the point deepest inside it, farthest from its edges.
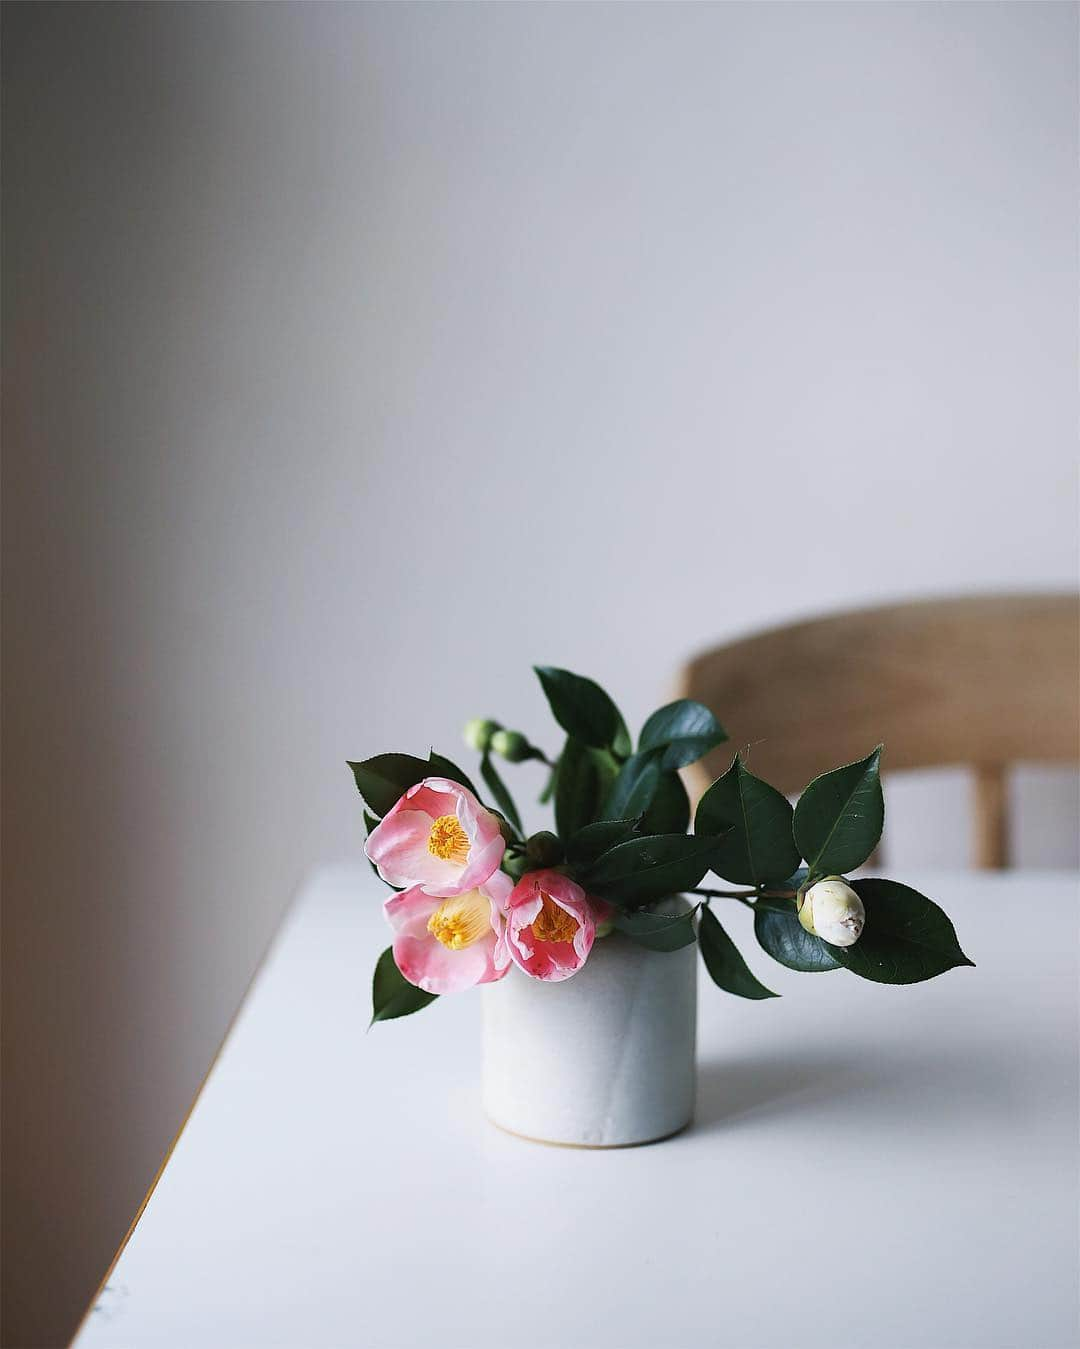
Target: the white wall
(359, 356)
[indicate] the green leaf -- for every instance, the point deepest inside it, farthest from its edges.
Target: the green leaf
(499, 792)
(726, 966)
(635, 786)
(797, 879)
(778, 930)
(607, 768)
(382, 780)
(760, 846)
(645, 869)
(622, 745)
(549, 786)
(658, 931)
(576, 788)
(585, 777)
(684, 730)
(838, 818)
(907, 938)
(587, 844)
(670, 809)
(446, 768)
(391, 993)
(580, 706)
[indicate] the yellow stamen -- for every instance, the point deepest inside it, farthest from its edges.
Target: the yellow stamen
(460, 921)
(449, 840)
(553, 923)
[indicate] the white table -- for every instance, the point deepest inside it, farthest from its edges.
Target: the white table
(871, 1167)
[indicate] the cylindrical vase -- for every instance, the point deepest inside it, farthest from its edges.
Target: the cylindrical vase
(603, 1059)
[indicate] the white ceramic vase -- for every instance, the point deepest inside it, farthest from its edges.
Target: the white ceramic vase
(604, 1059)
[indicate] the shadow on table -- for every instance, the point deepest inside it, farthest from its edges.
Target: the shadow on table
(948, 1084)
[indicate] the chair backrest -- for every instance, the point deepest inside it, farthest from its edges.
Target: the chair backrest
(984, 681)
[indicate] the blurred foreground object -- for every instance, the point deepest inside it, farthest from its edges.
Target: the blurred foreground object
(986, 680)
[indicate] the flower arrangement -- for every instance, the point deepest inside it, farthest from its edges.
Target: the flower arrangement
(476, 893)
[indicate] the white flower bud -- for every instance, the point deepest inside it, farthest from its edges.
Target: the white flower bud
(831, 910)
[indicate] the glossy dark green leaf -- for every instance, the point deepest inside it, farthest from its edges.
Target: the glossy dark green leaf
(634, 787)
(684, 730)
(646, 869)
(797, 879)
(391, 993)
(779, 932)
(658, 931)
(587, 844)
(576, 788)
(726, 966)
(580, 706)
(607, 768)
(446, 768)
(907, 938)
(622, 746)
(385, 778)
(838, 818)
(584, 780)
(499, 793)
(670, 809)
(760, 846)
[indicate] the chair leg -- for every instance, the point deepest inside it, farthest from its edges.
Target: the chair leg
(991, 817)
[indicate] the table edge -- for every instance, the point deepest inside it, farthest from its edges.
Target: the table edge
(260, 965)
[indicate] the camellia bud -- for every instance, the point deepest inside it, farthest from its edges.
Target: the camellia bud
(511, 745)
(478, 732)
(831, 910)
(544, 850)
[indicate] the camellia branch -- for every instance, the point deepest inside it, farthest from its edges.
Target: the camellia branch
(420, 809)
(745, 895)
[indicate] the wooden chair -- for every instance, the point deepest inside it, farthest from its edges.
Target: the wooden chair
(985, 681)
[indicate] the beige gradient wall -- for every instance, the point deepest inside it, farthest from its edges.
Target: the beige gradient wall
(357, 356)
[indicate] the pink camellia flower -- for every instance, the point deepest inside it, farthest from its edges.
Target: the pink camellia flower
(550, 925)
(443, 945)
(438, 836)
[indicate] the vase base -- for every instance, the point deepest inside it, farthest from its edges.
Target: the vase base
(589, 1147)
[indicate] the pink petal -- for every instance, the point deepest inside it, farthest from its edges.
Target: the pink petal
(434, 796)
(552, 961)
(409, 911)
(399, 845)
(426, 962)
(396, 843)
